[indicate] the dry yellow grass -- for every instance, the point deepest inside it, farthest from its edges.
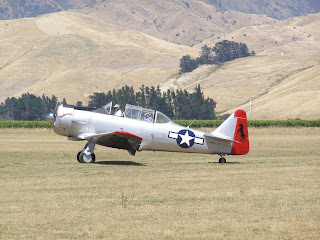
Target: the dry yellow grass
(176, 21)
(281, 87)
(272, 193)
(72, 55)
(283, 79)
(296, 95)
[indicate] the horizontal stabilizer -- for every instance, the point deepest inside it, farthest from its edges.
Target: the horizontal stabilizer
(218, 136)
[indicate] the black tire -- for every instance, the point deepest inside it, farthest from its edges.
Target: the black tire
(222, 160)
(83, 158)
(78, 155)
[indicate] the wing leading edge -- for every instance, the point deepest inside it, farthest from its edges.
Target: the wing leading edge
(117, 139)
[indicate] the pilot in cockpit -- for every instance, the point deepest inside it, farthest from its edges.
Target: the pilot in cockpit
(147, 117)
(117, 111)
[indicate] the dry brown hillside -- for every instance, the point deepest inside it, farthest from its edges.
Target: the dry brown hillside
(296, 36)
(288, 58)
(297, 96)
(71, 56)
(183, 22)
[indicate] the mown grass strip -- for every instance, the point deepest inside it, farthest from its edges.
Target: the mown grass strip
(195, 124)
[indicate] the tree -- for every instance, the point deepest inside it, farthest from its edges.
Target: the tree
(228, 50)
(206, 56)
(97, 100)
(27, 107)
(222, 52)
(187, 64)
(179, 104)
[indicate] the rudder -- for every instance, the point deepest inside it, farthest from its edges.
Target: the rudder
(240, 144)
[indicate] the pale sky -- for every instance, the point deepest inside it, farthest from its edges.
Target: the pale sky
(315, 4)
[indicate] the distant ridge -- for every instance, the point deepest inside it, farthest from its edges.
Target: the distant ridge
(72, 55)
(283, 9)
(279, 9)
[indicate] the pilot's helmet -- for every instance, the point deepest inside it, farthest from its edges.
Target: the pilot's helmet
(147, 114)
(116, 106)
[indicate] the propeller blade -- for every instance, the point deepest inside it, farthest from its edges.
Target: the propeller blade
(50, 117)
(55, 110)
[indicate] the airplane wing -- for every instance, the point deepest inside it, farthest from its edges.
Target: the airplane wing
(117, 139)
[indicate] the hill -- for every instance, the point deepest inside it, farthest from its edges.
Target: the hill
(287, 61)
(273, 8)
(21, 9)
(71, 55)
(182, 22)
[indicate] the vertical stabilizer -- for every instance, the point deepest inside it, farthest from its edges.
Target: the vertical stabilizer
(240, 143)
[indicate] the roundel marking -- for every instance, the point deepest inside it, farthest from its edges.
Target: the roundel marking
(185, 138)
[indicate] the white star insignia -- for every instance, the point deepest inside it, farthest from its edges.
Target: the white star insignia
(186, 138)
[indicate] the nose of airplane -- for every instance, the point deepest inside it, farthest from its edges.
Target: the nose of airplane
(51, 117)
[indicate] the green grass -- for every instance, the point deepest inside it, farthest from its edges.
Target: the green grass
(195, 124)
(254, 123)
(271, 193)
(25, 124)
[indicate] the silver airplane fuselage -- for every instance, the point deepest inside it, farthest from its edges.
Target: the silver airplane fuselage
(137, 135)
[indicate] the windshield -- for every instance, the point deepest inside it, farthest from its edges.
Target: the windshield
(136, 112)
(161, 118)
(105, 109)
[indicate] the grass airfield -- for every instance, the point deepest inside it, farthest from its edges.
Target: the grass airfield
(271, 193)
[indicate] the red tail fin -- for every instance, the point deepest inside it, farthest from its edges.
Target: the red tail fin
(240, 145)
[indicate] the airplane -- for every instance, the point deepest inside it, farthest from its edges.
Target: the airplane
(142, 129)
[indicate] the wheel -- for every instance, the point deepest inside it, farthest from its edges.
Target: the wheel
(83, 158)
(78, 155)
(222, 160)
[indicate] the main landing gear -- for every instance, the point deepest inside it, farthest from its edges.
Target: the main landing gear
(86, 155)
(222, 159)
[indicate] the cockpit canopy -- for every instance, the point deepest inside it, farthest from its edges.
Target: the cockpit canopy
(136, 112)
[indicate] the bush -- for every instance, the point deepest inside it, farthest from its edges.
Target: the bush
(24, 124)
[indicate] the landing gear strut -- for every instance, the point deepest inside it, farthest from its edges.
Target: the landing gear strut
(222, 160)
(86, 155)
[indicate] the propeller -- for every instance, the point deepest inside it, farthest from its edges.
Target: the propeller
(51, 117)
(55, 109)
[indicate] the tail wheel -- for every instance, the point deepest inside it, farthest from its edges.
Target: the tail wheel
(83, 158)
(222, 160)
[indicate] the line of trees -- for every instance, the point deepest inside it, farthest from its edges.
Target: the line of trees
(222, 52)
(178, 104)
(27, 107)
